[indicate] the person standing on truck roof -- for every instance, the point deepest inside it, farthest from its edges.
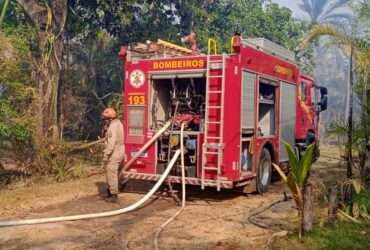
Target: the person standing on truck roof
(114, 152)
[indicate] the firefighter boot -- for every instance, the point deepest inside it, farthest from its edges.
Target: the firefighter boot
(113, 198)
(104, 193)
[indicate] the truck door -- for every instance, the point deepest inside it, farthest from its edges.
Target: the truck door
(307, 105)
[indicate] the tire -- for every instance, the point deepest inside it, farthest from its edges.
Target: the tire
(311, 138)
(264, 172)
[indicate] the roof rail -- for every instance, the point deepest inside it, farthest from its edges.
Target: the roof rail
(270, 47)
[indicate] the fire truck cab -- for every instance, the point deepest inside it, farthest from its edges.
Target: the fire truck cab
(238, 109)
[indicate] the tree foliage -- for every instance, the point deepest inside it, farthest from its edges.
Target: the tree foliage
(172, 19)
(16, 93)
(360, 47)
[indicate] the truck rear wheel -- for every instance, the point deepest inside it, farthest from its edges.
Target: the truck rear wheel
(264, 171)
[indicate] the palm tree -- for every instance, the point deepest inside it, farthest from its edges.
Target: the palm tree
(358, 52)
(296, 180)
(324, 11)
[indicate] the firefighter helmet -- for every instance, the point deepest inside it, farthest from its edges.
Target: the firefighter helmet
(109, 113)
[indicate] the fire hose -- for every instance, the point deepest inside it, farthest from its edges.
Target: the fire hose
(146, 146)
(114, 212)
(183, 190)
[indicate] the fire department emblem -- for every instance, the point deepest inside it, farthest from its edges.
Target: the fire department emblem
(137, 78)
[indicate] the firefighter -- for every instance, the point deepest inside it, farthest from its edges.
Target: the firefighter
(113, 152)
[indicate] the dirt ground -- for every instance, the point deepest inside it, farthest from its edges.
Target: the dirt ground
(211, 220)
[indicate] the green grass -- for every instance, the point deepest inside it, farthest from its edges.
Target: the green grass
(346, 236)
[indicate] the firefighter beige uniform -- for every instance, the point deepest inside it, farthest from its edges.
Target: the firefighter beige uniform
(114, 153)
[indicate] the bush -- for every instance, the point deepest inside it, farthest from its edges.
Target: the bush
(363, 200)
(16, 96)
(341, 236)
(13, 130)
(368, 180)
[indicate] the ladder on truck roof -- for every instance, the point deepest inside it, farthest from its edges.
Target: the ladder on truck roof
(158, 49)
(213, 147)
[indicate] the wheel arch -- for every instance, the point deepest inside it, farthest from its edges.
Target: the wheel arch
(269, 147)
(311, 130)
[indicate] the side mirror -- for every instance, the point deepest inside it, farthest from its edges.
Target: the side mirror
(323, 91)
(324, 103)
(324, 99)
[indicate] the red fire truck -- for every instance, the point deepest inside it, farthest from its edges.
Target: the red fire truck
(238, 107)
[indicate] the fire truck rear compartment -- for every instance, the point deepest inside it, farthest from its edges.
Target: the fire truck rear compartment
(266, 109)
(182, 99)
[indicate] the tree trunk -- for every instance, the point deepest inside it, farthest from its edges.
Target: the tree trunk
(301, 226)
(307, 208)
(350, 119)
(333, 204)
(364, 120)
(49, 20)
(47, 77)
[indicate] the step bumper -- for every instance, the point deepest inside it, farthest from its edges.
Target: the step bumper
(177, 179)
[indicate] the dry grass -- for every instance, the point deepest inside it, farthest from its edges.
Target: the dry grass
(8, 56)
(25, 196)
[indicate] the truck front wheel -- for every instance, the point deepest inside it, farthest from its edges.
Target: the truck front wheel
(264, 171)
